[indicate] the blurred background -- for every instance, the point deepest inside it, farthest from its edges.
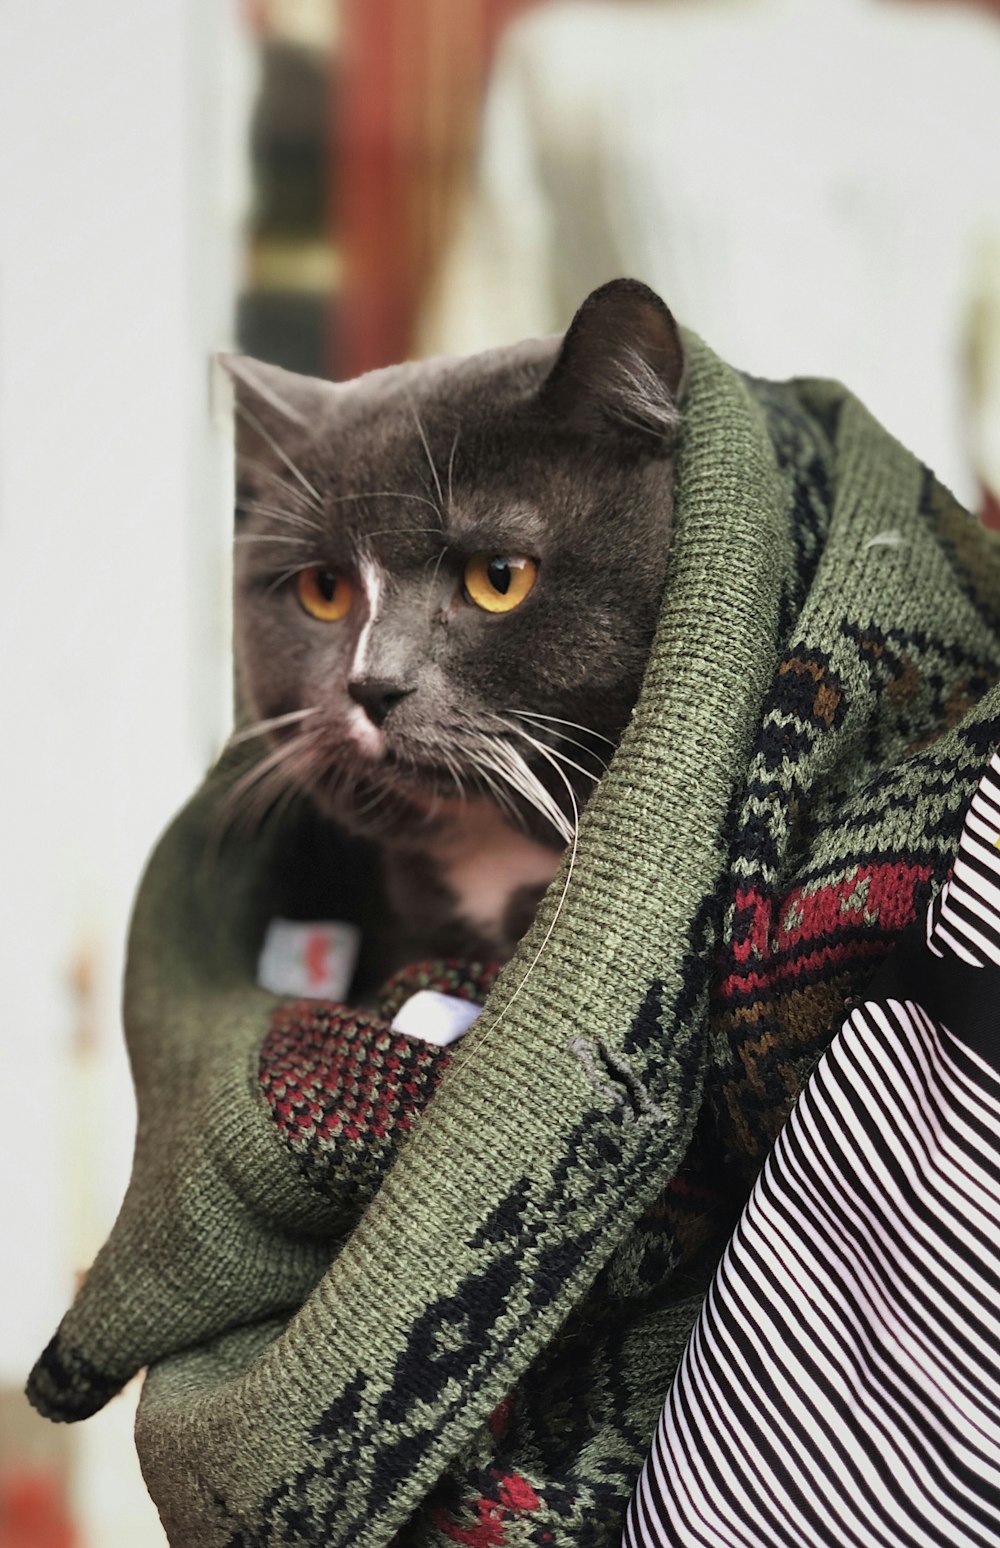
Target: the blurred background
(811, 184)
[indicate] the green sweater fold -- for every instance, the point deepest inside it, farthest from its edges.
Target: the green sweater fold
(458, 1325)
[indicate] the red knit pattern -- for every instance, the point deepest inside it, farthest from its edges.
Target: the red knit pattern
(512, 1497)
(342, 1085)
(329, 1072)
(817, 928)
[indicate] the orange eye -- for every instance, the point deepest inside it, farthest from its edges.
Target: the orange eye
(499, 583)
(325, 594)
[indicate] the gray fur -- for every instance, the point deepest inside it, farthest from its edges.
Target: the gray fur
(560, 450)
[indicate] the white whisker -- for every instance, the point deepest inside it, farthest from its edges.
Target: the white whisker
(519, 776)
(388, 494)
(574, 741)
(289, 540)
(433, 580)
(454, 771)
(401, 532)
(426, 445)
(557, 721)
(552, 753)
(266, 435)
(484, 768)
(271, 474)
(451, 468)
(477, 1049)
(290, 518)
(248, 800)
(260, 727)
(289, 574)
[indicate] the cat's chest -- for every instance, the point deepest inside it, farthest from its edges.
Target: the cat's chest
(487, 866)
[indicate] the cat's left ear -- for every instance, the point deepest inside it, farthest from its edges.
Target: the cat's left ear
(620, 371)
(276, 411)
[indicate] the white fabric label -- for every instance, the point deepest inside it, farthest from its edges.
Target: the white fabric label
(435, 1018)
(315, 961)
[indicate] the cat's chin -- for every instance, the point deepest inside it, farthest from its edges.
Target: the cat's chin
(405, 799)
(382, 798)
(423, 782)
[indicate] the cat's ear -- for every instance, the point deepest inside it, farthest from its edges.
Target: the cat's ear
(276, 412)
(620, 371)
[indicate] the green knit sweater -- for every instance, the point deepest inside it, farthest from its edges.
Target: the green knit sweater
(472, 1344)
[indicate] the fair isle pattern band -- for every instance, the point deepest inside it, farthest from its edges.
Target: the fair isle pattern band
(842, 1386)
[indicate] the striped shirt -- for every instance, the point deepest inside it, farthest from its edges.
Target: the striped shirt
(842, 1385)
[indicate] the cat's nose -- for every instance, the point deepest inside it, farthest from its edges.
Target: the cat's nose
(377, 696)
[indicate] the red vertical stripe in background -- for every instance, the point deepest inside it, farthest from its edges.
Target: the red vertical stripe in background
(410, 83)
(411, 79)
(33, 1510)
(254, 14)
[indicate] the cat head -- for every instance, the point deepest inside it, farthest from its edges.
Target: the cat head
(448, 573)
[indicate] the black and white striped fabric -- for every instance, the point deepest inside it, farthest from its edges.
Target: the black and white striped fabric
(842, 1386)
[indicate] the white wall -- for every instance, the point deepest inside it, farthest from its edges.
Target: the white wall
(121, 136)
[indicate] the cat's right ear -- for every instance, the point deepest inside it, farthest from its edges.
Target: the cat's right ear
(276, 413)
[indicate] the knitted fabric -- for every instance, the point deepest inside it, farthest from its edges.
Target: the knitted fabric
(472, 1344)
(344, 1088)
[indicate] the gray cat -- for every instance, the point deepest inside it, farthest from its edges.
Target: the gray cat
(448, 576)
